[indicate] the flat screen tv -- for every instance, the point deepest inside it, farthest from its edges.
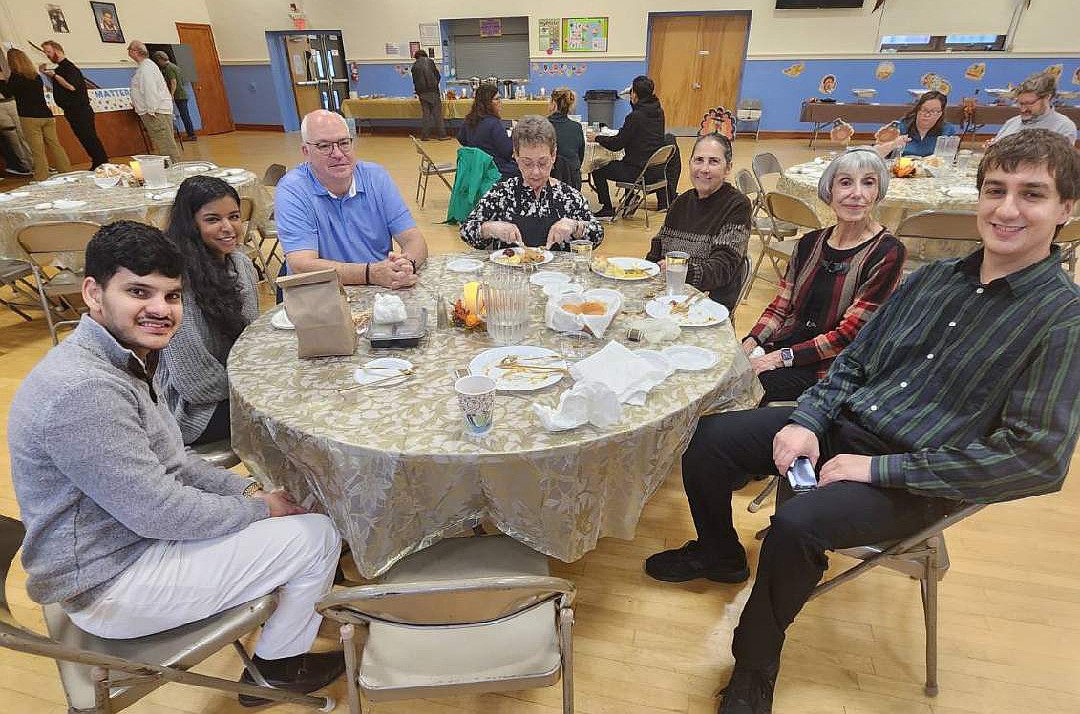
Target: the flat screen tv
(815, 4)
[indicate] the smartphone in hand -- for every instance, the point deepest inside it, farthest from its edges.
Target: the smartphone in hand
(801, 475)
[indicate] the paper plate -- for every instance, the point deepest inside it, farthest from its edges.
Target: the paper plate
(657, 359)
(651, 269)
(383, 369)
(66, 205)
(464, 265)
(548, 277)
(703, 313)
(500, 258)
(281, 321)
(485, 364)
(961, 192)
(690, 358)
(235, 180)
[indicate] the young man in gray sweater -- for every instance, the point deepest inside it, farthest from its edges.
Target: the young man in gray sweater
(124, 529)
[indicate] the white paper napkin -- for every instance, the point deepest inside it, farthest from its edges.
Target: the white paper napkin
(387, 310)
(562, 321)
(591, 402)
(625, 373)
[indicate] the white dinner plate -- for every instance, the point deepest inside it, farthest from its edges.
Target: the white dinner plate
(46, 206)
(703, 313)
(234, 172)
(548, 277)
(651, 269)
(500, 257)
(657, 359)
(235, 180)
(163, 196)
(464, 265)
(281, 321)
(961, 192)
(555, 290)
(67, 205)
(12, 195)
(383, 370)
(690, 358)
(485, 364)
(198, 168)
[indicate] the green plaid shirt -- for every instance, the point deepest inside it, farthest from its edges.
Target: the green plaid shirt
(978, 385)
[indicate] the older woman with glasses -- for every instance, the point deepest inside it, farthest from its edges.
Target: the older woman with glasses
(920, 128)
(837, 277)
(532, 209)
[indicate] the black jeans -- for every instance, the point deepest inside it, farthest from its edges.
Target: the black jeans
(218, 427)
(431, 116)
(787, 384)
(614, 171)
(81, 120)
(725, 451)
(185, 116)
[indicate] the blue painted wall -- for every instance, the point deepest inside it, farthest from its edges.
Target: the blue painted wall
(121, 77)
(781, 95)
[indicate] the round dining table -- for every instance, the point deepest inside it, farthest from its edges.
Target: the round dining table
(75, 197)
(393, 466)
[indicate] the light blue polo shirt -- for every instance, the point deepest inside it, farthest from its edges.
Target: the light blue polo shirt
(356, 228)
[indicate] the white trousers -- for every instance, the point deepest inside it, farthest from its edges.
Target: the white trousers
(176, 582)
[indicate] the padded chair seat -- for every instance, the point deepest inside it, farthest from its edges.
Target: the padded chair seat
(400, 662)
(218, 453)
(182, 647)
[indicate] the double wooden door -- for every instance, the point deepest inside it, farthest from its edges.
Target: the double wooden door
(696, 62)
(209, 86)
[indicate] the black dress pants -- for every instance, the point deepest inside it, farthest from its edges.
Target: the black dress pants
(614, 171)
(81, 120)
(431, 115)
(219, 426)
(787, 384)
(725, 450)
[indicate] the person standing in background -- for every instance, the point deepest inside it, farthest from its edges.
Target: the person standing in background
(425, 77)
(38, 123)
(175, 81)
(69, 92)
(152, 101)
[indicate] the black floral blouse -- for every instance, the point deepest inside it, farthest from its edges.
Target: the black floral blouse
(511, 198)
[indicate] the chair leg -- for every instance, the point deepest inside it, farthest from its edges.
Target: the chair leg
(348, 641)
(45, 305)
(929, 591)
(423, 191)
(759, 500)
(566, 623)
(419, 178)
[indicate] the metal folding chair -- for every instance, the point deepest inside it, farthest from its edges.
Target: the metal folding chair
(931, 235)
(16, 274)
(761, 223)
(1068, 238)
(59, 290)
(748, 112)
(252, 248)
(766, 166)
(783, 209)
(467, 615)
(635, 193)
(102, 676)
(429, 168)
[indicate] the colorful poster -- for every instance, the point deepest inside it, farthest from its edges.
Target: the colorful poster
(491, 27)
(585, 34)
(429, 34)
(414, 47)
(549, 32)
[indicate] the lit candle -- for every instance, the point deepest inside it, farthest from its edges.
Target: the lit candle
(470, 297)
(136, 170)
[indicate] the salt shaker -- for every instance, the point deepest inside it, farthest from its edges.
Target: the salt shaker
(442, 319)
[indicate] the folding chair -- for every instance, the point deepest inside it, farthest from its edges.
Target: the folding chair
(761, 223)
(1068, 238)
(635, 192)
(782, 208)
(931, 235)
(252, 248)
(42, 243)
(921, 555)
(765, 165)
(101, 676)
(467, 615)
(267, 227)
(429, 168)
(14, 274)
(748, 113)
(218, 453)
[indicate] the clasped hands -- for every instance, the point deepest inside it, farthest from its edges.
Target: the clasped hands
(794, 441)
(395, 272)
(764, 363)
(280, 503)
(561, 232)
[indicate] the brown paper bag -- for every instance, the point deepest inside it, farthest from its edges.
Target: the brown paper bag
(315, 303)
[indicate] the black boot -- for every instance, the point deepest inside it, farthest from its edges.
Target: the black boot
(749, 691)
(302, 674)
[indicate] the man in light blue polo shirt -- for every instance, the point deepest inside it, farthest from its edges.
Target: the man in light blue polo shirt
(336, 212)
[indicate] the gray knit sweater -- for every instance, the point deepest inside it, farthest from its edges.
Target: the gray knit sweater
(191, 375)
(100, 472)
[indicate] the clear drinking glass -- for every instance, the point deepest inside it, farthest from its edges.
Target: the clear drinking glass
(581, 255)
(677, 263)
(506, 301)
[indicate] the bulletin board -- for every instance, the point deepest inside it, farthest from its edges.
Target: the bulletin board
(584, 34)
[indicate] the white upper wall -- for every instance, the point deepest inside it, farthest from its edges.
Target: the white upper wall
(147, 20)
(367, 25)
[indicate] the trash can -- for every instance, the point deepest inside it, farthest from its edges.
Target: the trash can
(601, 104)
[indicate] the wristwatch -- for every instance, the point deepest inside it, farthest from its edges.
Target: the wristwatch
(787, 356)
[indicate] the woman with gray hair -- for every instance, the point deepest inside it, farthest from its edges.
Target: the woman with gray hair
(532, 209)
(838, 276)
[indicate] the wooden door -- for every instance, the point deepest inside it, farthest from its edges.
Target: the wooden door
(696, 62)
(210, 87)
(303, 74)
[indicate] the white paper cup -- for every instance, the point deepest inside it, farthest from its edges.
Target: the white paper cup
(476, 395)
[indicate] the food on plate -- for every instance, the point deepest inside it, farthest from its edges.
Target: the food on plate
(521, 256)
(934, 162)
(606, 267)
(360, 320)
(903, 168)
(589, 307)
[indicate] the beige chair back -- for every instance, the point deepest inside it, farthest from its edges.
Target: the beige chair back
(940, 225)
(792, 210)
(56, 236)
(273, 174)
(661, 156)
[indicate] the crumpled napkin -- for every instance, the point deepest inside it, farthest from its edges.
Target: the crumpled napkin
(629, 375)
(562, 321)
(586, 401)
(387, 310)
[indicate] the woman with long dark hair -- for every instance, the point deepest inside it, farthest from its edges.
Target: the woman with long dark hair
(37, 120)
(220, 299)
(920, 127)
(483, 129)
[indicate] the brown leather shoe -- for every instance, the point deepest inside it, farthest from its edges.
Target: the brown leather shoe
(302, 674)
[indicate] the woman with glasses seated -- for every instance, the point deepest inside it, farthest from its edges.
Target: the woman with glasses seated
(483, 129)
(838, 276)
(220, 299)
(917, 133)
(532, 209)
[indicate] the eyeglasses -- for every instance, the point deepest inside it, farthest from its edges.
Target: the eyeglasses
(929, 112)
(1030, 103)
(325, 148)
(542, 164)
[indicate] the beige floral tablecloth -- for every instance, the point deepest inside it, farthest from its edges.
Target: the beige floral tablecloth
(394, 469)
(905, 196)
(103, 205)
